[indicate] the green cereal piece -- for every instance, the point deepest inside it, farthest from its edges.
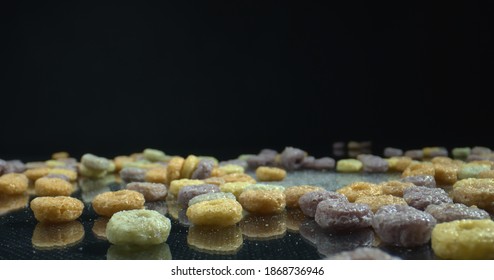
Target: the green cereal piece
(54, 163)
(245, 156)
(111, 167)
(236, 188)
(138, 163)
(135, 252)
(265, 187)
(91, 173)
(348, 165)
(211, 196)
(94, 162)
(461, 153)
(154, 155)
(472, 170)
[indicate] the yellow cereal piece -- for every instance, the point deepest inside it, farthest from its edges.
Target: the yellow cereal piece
(358, 189)
(57, 236)
(441, 159)
(473, 191)
(13, 183)
(213, 239)
(215, 181)
(71, 174)
(464, 240)
(292, 194)
(217, 212)
(376, 202)
(54, 163)
(264, 227)
(189, 166)
(52, 187)
(154, 155)
(236, 188)
(108, 203)
(348, 165)
(265, 174)
(36, 173)
(99, 227)
(419, 168)
(395, 188)
(174, 168)
(398, 164)
(58, 209)
(60, 155)
(238, 177)
(231, 169)
(262, 202)
(486, 174)
(156, 175)
(176, 185)
(9, 203)
(445, 173)
(216, 172)
(120, 162)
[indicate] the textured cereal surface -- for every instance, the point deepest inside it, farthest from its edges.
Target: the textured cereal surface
(151, 191)
(174, 169)
(13, 183)
(52, 187)
(479, 192)
(176, 185)
(358, 189)
(293, 194)
(108, 203)
(57, 209)
(376, 202)
(348, 165)
(266, 174)
(217, 212)
(263, 201)
(190, 164)
(236, 188)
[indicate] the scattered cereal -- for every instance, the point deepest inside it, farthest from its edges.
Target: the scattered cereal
(372, 163)
(210, 196)
(154, 155)
(156, 175)
(174, 169)
(392, 152)
(398, 163)
(291, 158)
(95, 162)
(363, 253)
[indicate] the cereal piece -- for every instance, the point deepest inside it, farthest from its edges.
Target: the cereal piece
(91, 173)
(262, 159)
(472, 170)
(240, 162)
(218, 181)
(392, 152)
(139, 227)
(461, 152)
(9, 203)
(3, 166)
(372, 163)
(336, 215)
(395, 188)
(133, 174)
(414, 154)
(188, 192)
(203, 169)
(60, 155)
(156, 175)
(189, 166)
(464, 240)
(348, 165)
(236, 188)
(486, 174)
(445, 173)
(36, 173)
(398, 164)
(54, 163)
(70, 174)
(176, 185)
(324, 163)
(138, 252)
(212, 239)
(430, 152)
(358, 189)
(264, 227)
(262, 201)
(151, 191)
(421, 168)
(480, 150)
(421, 180)
(216, 212)
(403, 226)
(121, 161)
(292, 158)
(99, 227)
(230, 169)
(266, 174)
(238, 177)
(58, 209)
(293, 194)
(14, 166)
(479, 192)
(210, 196)
(13, 183)
(52, 187)
(95, 162)
(363, 253)
(308, 202)
(441, 159)
(421, 197)
(174, 168)
(265, 187)
(154, 155)
(376, 202)
(448, 212)
(57, 236)
(108, 203)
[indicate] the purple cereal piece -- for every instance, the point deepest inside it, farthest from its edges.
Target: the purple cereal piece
(480, 150)
(324, 163)
(421, 197)
(403, 226)
(363, 253)
(414, 154)
(308, 162)
(447, 212)
(292, 158)
(203, 169)
(266, 157)
(439, 152)
(3, 166)
(474, 157)
(421, 180)
(372, 163)
(59, 176)
(151, 191)
(133, 174)
(343, 216)
(188, 192)
(14, 166)
(392, 152)
(309, 201)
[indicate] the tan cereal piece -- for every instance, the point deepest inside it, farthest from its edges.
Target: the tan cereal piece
(52, 187)
(57, 236)
(441, 159)
(120, 162)
(238, 177)
(399, 164)
(266, 174)
(445, 173)
(216, 172)
(395, 187)
(189, 166)
(420, 168)
(176, 185)
(156, 175)
(71, 174)
(58, 209)
(292, 194)
(263, 201)
(358, 189)
(217, 212)
(108, 203)
(231, 169)
(215, 181)
(9, 203)
(36, 173)
(213, 239)
(376, 202)
(13, 183)
(174, 169)
(473, 191)
(236, 188)
(486, 174)
(264, 227)
(60, 155)
(349, 165)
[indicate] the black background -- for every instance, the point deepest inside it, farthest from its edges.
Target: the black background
(229, 77)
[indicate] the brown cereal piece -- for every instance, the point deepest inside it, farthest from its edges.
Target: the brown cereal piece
(395, 187)
(57, 236)
(486, 174)
(190, 164)
(265, 174)
(376, 202)
(293, 194)
(108, 203)
(266, 227)
(13, 183)
(60, 155)
(156, 175)
(238, 177)
(217, 212)
(121, 161)
(176, 185)
(70, 174)
(445, 173)
(174, 168)
(398, 164)
(151, 191)
(58, 209)
(9, 203)
(236, 188)
(52, 187)
(99, 227)
(36, 173)
(419, 168)
(472, 191)
(215, 181)
(358, 189)
(213, 239)
(262, 201)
